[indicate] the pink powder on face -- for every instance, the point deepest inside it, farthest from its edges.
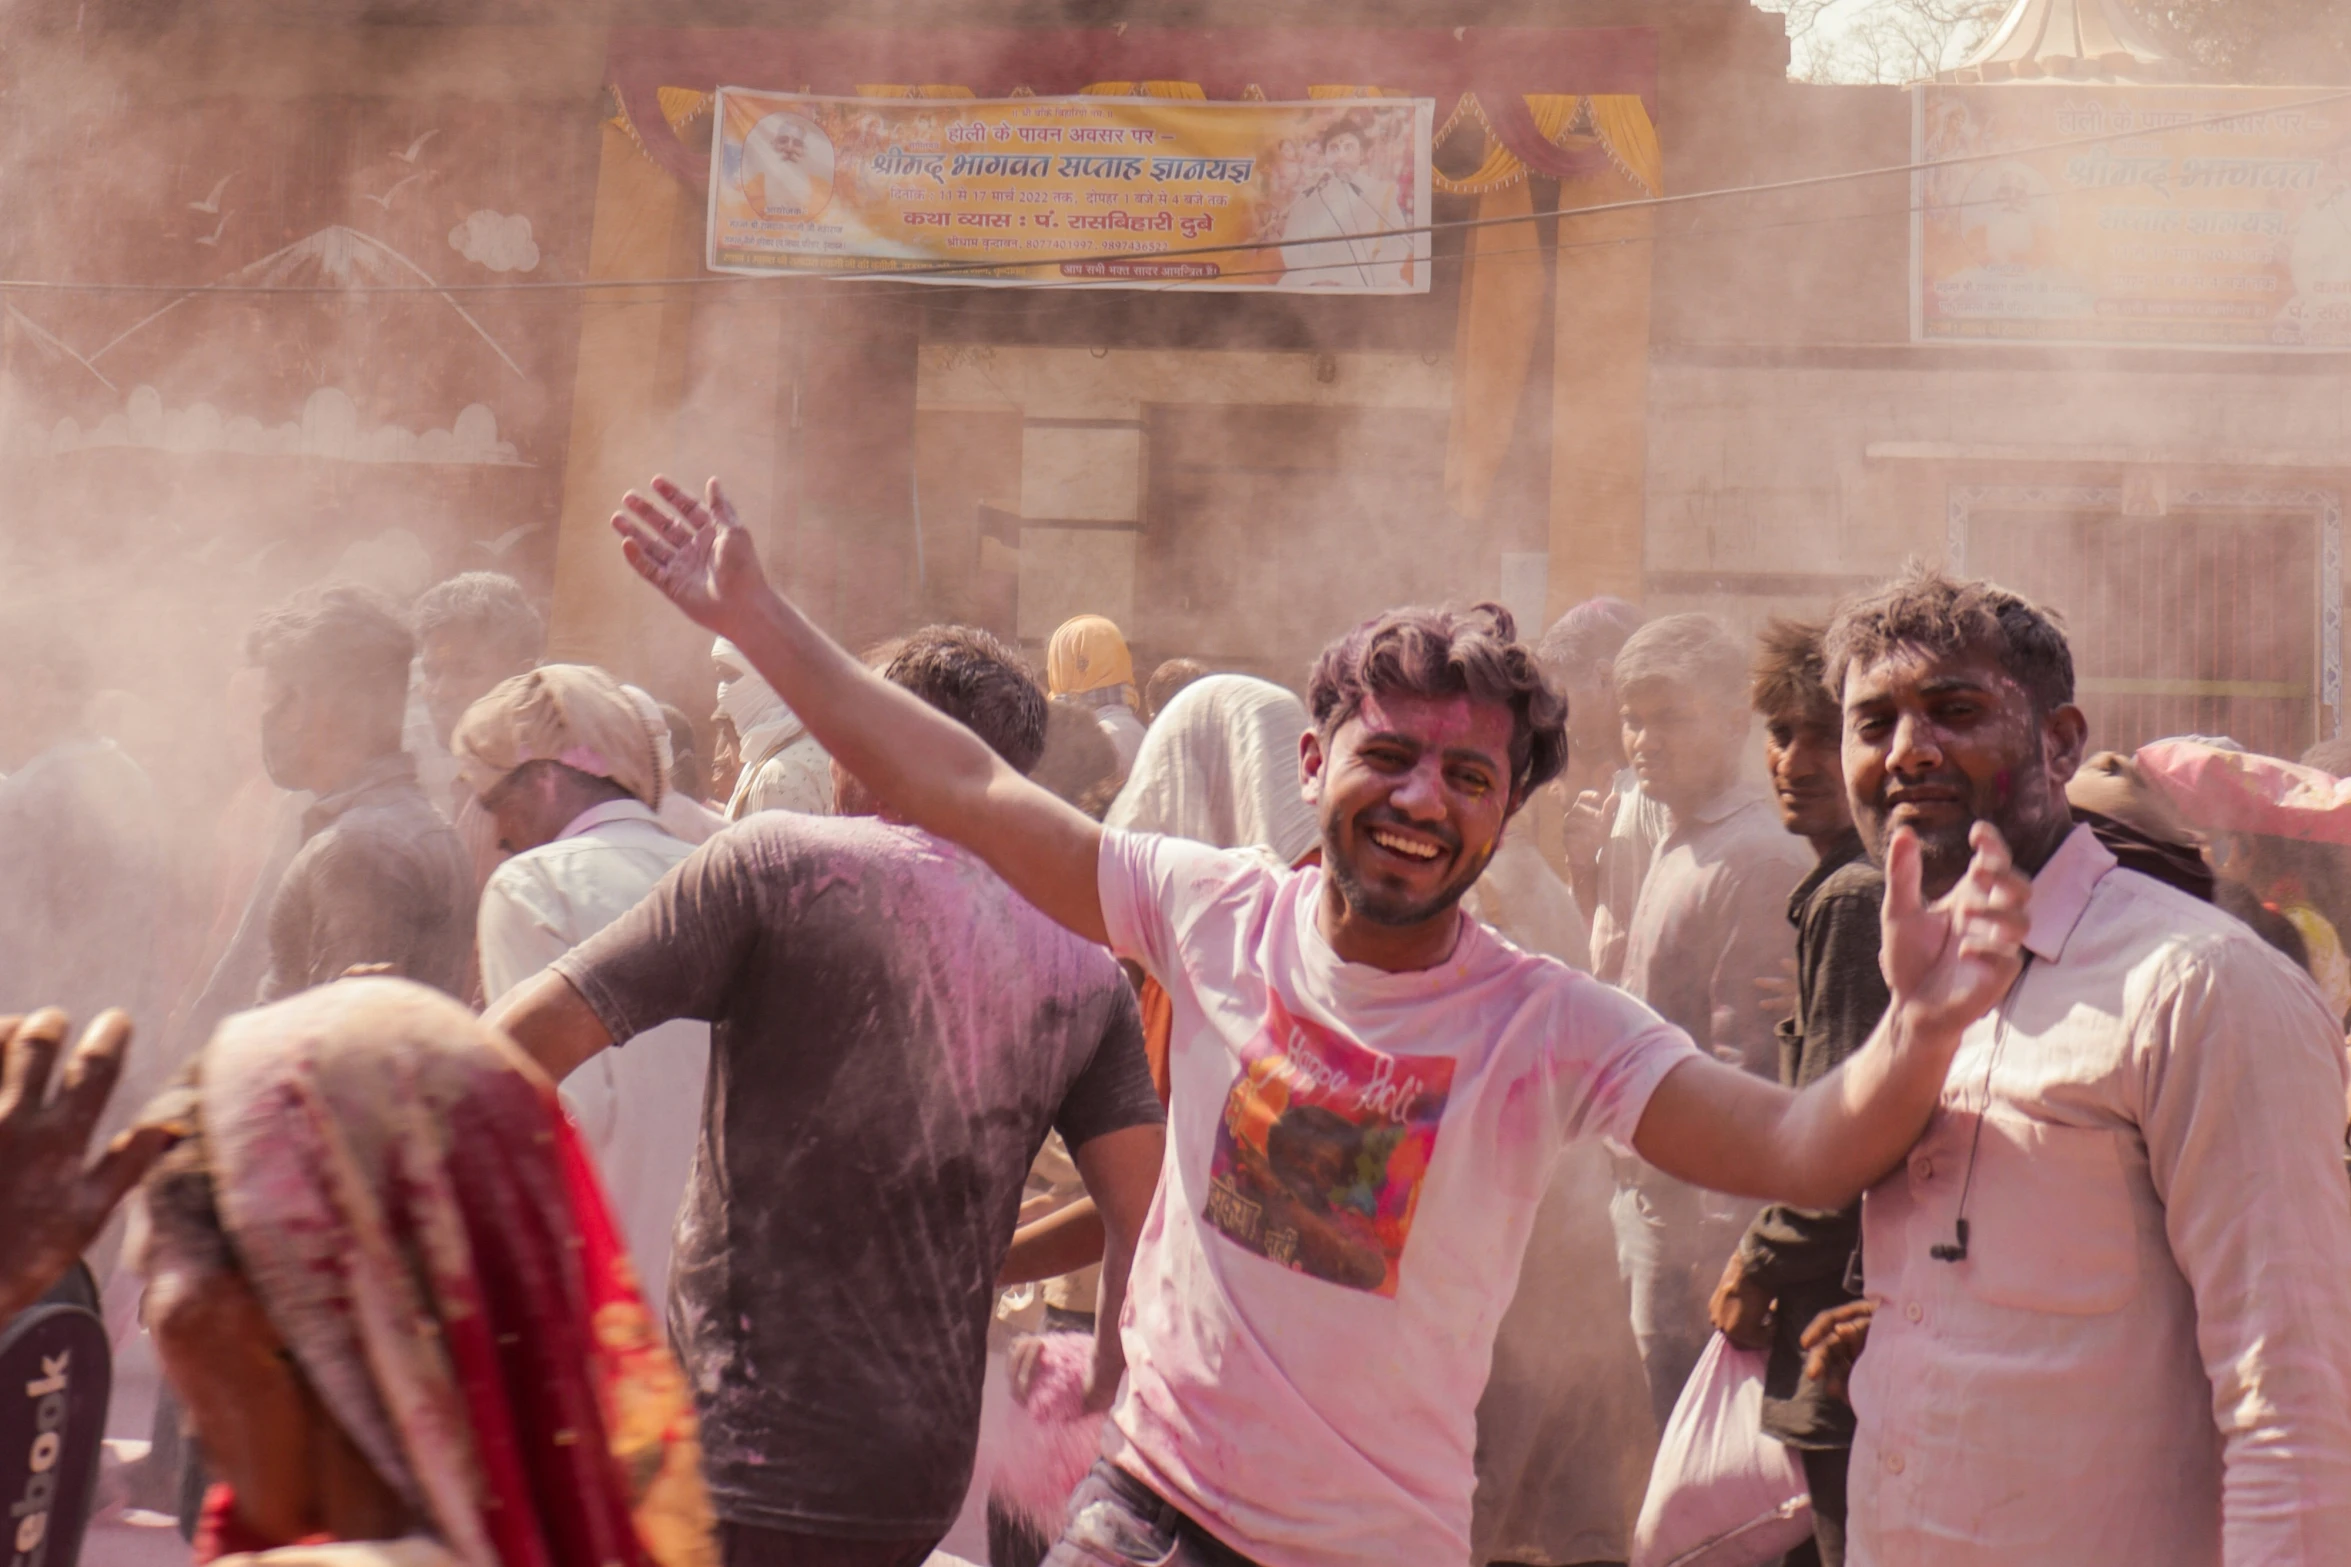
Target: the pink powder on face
(1440, 722)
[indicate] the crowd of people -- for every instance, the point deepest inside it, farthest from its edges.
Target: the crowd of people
(1349, 1121)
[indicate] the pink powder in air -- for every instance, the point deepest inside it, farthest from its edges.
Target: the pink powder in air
(1045, 1445)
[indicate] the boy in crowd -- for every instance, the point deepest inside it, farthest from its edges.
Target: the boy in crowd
(1796, 1263)
(1711, 921)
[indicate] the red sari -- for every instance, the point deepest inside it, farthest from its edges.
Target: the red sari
(431, 1240)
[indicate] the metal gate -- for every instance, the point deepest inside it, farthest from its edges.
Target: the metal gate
(2220, 616)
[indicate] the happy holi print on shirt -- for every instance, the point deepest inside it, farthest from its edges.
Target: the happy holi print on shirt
(1322, 1151)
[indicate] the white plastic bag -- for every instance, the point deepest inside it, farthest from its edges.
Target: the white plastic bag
(1722, 1494)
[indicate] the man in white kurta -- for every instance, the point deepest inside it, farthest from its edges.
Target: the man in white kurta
(640, 1110)
(784, 769)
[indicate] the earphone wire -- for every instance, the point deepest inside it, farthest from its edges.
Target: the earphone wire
(1975, 1141)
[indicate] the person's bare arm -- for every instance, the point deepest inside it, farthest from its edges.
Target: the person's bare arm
(1063, 1241)
(928, 769)
(1121, 1171)
(550, 1021)
(1947, 964)
(53, 1202)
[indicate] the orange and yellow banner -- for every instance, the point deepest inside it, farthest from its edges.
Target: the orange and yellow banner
(1075, 191)
(2213, 217)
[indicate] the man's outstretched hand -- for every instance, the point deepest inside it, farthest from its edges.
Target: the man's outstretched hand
(695, 551)
(52, 1204)
(1950, 961)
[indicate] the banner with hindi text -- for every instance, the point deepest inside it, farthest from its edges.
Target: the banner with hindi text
(2206, 217)
(1082, 191)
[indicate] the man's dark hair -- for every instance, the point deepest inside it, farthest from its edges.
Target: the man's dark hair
(1591, 633)
(1352, 123)
(1789, 677)
(1078, 763)
(980, 683)
(1168, 679)
(2330, 756)
(1441, 653)
(344, 641)
(487, 606)
(183, 1204)
(1302, 1137)
(1934, 612)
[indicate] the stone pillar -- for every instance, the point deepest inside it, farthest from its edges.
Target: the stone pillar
(624, 403)
(1600, 395)
(853, 559)
(1494, 344)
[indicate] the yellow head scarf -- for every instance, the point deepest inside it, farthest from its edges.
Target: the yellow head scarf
(1087, 654)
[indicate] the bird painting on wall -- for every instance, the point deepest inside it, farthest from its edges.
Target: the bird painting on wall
(385, 200)
(416, 147)
(213, 238)
(503, 545)
(211, 204)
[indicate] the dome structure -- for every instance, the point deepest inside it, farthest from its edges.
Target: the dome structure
(2069, 40)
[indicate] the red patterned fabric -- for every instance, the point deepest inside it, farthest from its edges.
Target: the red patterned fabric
(431, 1240)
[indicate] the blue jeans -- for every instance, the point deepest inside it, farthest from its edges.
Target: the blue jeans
(1115, 1520)
(1670, 1247)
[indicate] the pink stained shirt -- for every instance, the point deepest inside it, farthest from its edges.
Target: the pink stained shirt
(1354, 1161)
(2145, 1357)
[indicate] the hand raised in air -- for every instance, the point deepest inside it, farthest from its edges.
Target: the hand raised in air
(53, 1197)
(697, 552)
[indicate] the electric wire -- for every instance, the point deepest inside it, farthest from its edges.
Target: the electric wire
(966, 269)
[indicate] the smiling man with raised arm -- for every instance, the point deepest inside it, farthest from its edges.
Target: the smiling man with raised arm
(1368, 1088)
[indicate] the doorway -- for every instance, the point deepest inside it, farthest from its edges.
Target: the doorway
(2220, 617)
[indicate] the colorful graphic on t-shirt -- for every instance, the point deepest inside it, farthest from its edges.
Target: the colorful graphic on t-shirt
(1322, 1151)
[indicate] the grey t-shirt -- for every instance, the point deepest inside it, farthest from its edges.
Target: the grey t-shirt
(380, 878)
(1713, 919)
(894, 1033)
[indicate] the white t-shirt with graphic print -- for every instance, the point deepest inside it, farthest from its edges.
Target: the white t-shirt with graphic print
(1354, 1161)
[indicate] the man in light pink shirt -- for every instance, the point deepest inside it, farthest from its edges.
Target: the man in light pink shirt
(1368, 1089)
(2113, 1280)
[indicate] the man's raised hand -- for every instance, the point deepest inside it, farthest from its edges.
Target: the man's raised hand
(1949, 962)
(53, 1200)
(695, 551)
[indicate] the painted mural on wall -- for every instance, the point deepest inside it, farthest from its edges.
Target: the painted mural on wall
(1075, 191)
(2209, 217)
(304, 339)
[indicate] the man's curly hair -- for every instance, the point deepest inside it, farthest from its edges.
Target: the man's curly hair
(1426, 652)
(976, 680)
(1937, 613)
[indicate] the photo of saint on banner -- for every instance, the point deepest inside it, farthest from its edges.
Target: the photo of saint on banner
(1084, 191)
